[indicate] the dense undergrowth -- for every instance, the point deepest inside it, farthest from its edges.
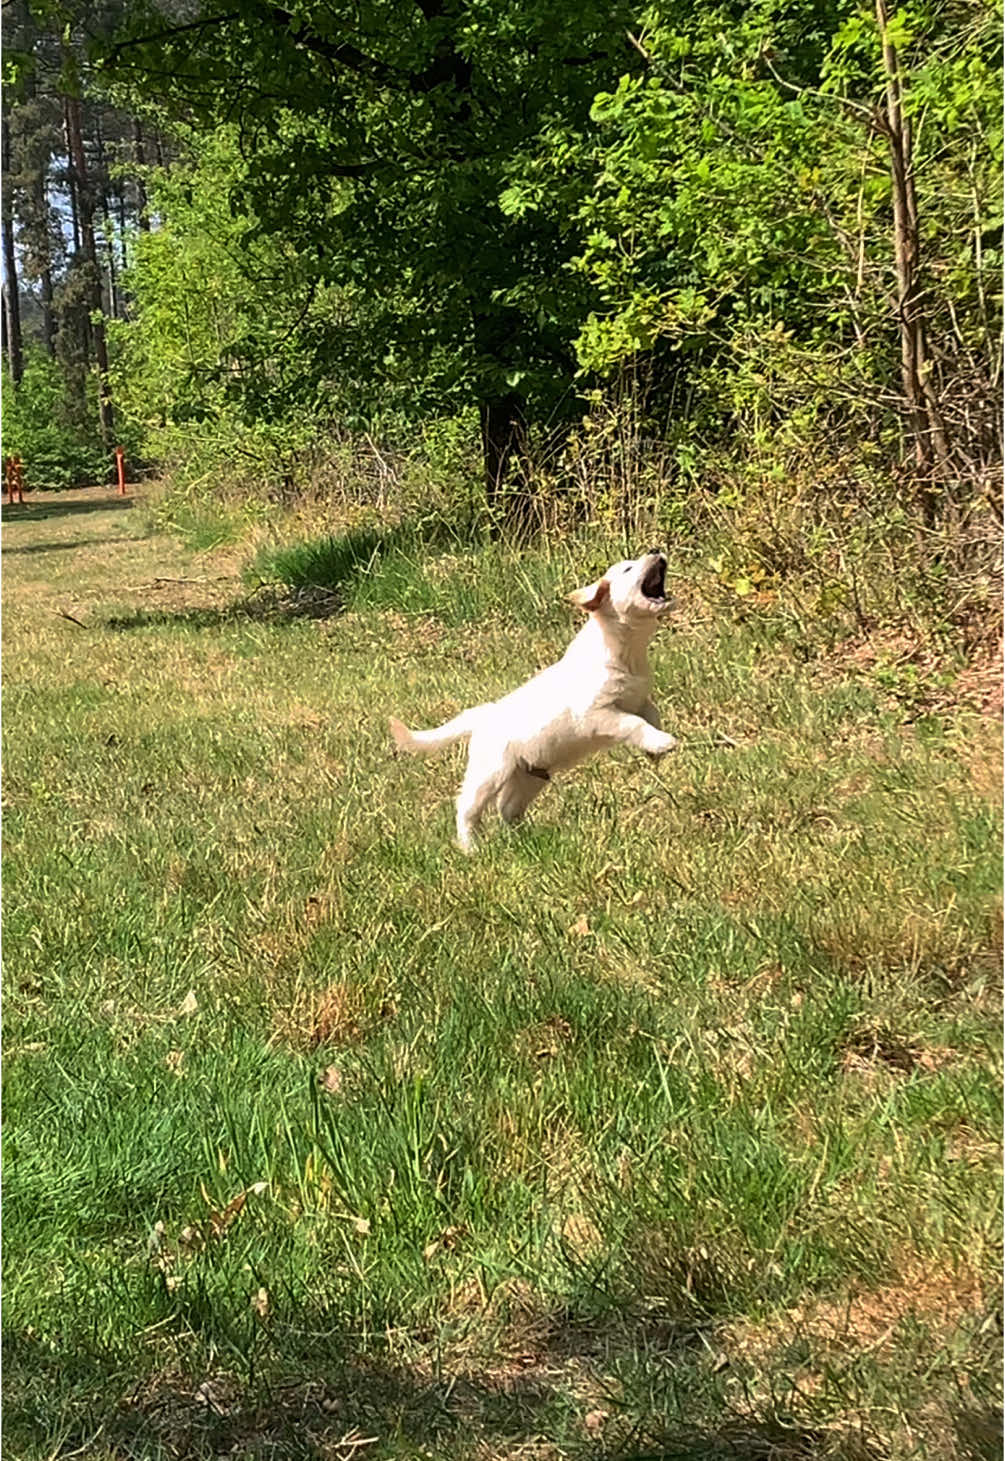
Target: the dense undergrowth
(815, 557)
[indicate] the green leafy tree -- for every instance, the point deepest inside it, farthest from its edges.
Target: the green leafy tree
(208, 368)
(382, 145)
(42, 425)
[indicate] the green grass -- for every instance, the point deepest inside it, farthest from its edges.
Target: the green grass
(667, 1126)
(419, 567)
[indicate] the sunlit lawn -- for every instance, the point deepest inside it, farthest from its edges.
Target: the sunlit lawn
(666, 1126)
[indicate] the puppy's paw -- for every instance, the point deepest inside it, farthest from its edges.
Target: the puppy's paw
(666, 744)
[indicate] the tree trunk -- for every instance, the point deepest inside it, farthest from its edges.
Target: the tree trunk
(85, 207)
(496, 334)
(120, 199)
(45, 267)
(107, 231)
(926, 425)
(141, 191)
(504, 437)
(48, 314)
(71, 182)
(11, 301)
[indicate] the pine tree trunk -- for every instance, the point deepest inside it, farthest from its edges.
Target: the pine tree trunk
(113, 283)
(141, 192)
(120, 199)
(45, 272)
(85, 208)
(71, 181)
(11, 301)
(48, 314)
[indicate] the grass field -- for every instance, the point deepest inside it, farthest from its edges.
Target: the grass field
(667, 1126)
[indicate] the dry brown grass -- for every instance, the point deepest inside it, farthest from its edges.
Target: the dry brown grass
(335, 1015)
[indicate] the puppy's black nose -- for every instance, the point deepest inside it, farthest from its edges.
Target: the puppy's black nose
(657, 551)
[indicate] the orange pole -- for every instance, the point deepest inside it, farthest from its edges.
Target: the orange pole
(120, 468)
(15, 479)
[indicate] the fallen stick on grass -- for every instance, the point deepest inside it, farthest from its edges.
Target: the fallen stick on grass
(720, 739)
(218, 578)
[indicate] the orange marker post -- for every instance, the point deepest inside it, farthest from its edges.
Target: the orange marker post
(121, 469)
(15, 480)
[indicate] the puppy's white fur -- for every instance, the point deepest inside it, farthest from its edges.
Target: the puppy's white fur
(596, 696)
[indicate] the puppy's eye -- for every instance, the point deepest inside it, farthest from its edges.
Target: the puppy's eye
(627, 568)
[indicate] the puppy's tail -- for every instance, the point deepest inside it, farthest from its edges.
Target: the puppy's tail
(421, 743)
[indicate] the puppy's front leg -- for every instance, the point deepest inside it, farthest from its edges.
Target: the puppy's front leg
(652, 715)
(633, 730)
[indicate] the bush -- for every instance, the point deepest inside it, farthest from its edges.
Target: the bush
(44, 427)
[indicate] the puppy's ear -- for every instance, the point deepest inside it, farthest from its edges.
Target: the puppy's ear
(592, 597)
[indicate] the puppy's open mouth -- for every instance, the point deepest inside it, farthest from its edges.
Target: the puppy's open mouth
(653, 586)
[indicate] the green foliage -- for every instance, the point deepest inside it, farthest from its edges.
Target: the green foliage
(199, 369)
(217, 366)
(740, 227)
(385, 170)
(44, 425)
(388, 220)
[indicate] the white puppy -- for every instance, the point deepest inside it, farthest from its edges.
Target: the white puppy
(597, 695)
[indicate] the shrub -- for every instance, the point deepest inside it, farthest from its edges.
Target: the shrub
(56, 439)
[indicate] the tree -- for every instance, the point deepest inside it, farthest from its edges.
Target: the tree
(11, 300)
(59, 147)
(140, 157)
(380, 146)
(85, 213)
(35, 142)
(926, 425)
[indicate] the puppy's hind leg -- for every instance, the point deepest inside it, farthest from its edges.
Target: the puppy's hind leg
(518, 791)
(481, 784)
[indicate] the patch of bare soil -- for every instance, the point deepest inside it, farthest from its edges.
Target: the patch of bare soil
(865, 1320)
(874, 1046)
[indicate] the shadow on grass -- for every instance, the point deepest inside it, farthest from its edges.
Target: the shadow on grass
(57, 1404)
(68, 546)
(39, 510)
(979, 1432)
(308, 580)
(267, 606)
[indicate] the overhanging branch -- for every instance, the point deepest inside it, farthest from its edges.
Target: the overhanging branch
(166, 35)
